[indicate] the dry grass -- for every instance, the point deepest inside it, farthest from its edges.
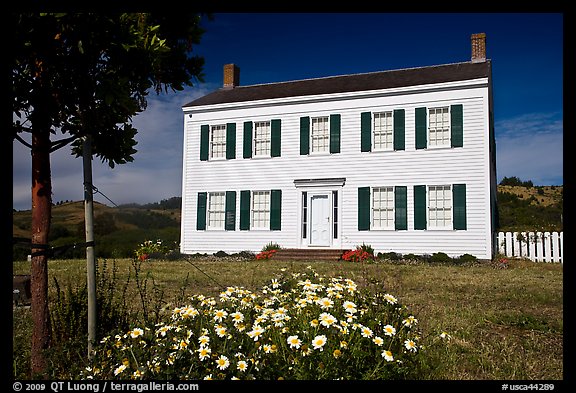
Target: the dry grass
(550, 194)
(505, 323)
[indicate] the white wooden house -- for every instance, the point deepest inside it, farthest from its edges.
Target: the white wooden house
(401, 160)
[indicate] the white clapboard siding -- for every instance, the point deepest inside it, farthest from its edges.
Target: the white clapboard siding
(468, 165)
(536, 246)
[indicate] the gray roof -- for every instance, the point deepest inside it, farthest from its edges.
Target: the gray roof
(348, 83)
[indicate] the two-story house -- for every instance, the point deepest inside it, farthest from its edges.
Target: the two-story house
(402, 160)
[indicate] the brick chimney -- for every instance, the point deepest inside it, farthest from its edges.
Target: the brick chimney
(478, 47)
(231, 76)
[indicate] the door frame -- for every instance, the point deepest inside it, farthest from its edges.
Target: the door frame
(316, 187)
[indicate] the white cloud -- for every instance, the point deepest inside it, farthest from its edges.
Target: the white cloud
(155, 173)
(531, 147)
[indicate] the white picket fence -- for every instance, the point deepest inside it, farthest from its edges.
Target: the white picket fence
(536, 246)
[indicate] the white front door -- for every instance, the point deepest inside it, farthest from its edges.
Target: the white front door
(320, 220)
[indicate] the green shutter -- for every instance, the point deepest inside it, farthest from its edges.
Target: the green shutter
(230, 141)
(459, 201)
(366, 131)
(275, 142)
(244, 210)
(201, 212)
(276, 210)
(230, 212)
(304, 135)
(334, 133)
(363, 208)
(247, 143)
(419, 207)
(421, 129)
(456, 121)
(400, 208)
(399, 129)
(204, 141)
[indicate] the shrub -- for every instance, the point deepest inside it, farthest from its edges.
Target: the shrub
(266, 254)
(271, 246)
(246, 255)
(149, 248)
(467, 258)
(293, 328)
(440, 257)
(358, 255)
(391, 256)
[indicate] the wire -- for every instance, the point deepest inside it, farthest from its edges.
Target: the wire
(98, 192)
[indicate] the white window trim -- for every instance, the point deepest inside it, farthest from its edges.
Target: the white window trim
(449, 143)
(380, 228)
(311, 144)
(373, 132)
(260, 228)
(210, 137)
(208, 226)
(254, 155)
(450, 225)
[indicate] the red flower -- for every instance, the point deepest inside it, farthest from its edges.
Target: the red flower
(357, 255)
(266, 254)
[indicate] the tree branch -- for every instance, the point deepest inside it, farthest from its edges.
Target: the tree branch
(61, 143)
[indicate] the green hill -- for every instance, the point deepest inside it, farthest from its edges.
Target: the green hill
(117, 230)
(530, 208)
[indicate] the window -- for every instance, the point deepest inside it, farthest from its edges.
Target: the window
(383, 131)
(383, 208)
(218, 141)
(440, 206)
(216, 210)
(439, 126)
(262, 140)
(320, 134)
(260, 210)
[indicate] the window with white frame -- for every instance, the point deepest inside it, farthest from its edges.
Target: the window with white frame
(439, 126)
(383, 131)
(218, 141)
(216, 210)
(383, 208)
(320, 134)
(260, 210)
(440, 206)
(262, 138)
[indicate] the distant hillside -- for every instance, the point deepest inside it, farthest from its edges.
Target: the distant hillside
(530, 208)
(117, 230)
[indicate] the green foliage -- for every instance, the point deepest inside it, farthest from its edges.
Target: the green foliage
(150, 248)
(519, 214)
(145, 219)
(271, 246)
(440, 257)
(515, 181)
(97, 70)
(391, 256)
(69, 318)
(367, 248)
(466, 258)
(362, 334)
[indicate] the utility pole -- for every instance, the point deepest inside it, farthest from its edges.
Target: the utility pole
(89, 225)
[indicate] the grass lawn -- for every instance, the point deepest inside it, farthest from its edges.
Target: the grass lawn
(506, 324)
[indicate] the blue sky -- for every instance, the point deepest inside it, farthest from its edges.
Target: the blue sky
(526, 50)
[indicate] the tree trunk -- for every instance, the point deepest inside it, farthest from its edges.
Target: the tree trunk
(41, 217)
